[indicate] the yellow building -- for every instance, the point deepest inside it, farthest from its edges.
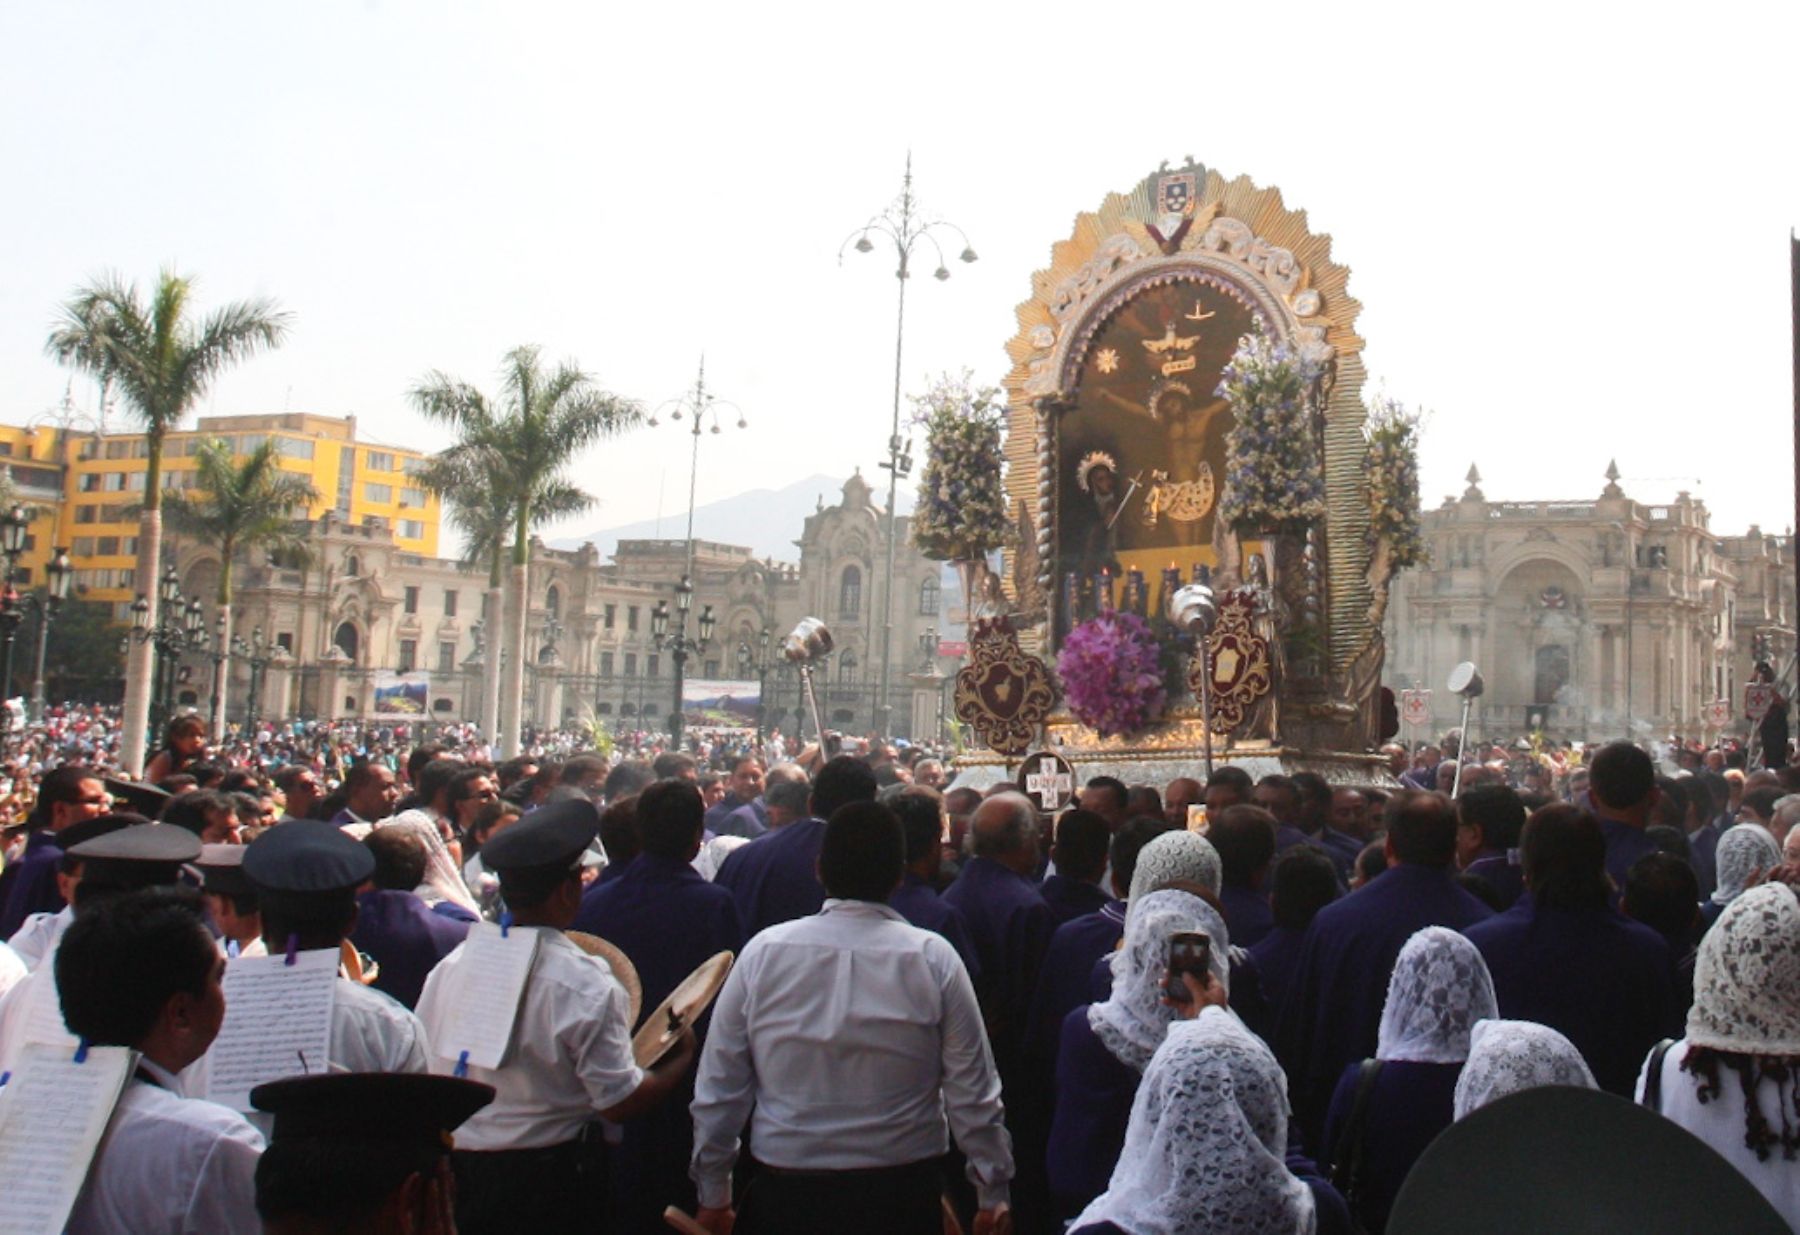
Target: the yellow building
(84, 486)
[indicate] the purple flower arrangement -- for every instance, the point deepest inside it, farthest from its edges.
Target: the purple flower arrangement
(1112, 673)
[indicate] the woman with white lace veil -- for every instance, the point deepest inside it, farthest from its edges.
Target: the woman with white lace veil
(1744, 853)
(443, 880)
(1440, 987)
(1206, 1147)
(1506, 1057)
(1734, 1080)
(1104, 1048)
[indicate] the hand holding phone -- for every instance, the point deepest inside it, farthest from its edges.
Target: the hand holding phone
(1190, 952)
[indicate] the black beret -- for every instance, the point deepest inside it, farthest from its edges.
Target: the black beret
(307, 855)
(552, 835)
(145, 799)
(84, 830)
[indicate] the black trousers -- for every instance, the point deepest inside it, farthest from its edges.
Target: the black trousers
(557, 1190)
(899, 1200)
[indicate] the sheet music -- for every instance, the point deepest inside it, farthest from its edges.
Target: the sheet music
(43, 1016)
(52, 1115)
(491, 973)
(277, 1023)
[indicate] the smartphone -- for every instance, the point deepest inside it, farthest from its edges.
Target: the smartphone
(1196, 820)
(1189, 952)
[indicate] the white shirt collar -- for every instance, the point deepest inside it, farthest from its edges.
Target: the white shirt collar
(856, 908)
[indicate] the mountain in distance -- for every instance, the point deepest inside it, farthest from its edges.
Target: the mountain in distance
(768, 521)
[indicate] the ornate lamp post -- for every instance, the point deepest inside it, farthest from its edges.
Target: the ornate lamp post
(679, 644)
(218, 649)
(907, 226)
(180, 629)
(58, 574)
(757, 663)
(260, 654)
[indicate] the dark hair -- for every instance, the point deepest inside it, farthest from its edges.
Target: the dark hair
(739, 761)
(434, 778)
(337, 1182)
(1313, 789)
(190, 810)
(527, 887)
(187, 725)
(1371, 861)
(423, 756)
(1662, 892)
(241, 780)
(461, 779)
(1621, 776)
(320, 919)
(1081, 843)
(1481, 890)
(1244, 835)
(1128, 842)
(1563, 853)
(843, 780)
(619, 830)
(399, 858)
(789, 795)
(1143, 800)
(630, 777)
(1670, 840)
(62, 784)
(286, 776)
(584, 769)
(673, 763)
(206, 775)
(862, 854)
(490, 814)
(1233, 778)
(670, 817)
(1114, 788)
(1497, 810)
(121, 960)
(1302, 882)
(512, 771)
(1762, 800)
(361, 773)
(1710, 792)
(1421, 826)
(921, 813)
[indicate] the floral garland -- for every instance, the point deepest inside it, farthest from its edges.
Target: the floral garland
(962, 510)
(1392, 467)
(1273, 476)
(1112, 673)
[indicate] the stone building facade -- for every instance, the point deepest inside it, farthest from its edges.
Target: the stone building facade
(365, 608)
(1589, 619)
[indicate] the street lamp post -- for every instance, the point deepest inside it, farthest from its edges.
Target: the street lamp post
(757, 663)
(906, 225)
(178, 630)
(218, 650)
(679, 644)
(260, 654)
(58, 574)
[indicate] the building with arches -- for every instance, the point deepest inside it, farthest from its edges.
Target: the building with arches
(366, 606)
(1589, 619)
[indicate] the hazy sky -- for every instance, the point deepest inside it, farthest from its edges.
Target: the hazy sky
(1567, 223)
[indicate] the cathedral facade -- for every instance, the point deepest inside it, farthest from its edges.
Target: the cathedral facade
(1590, 619)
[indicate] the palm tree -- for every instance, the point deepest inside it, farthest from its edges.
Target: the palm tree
(485, 520)
(544, 418)
(248, 505)
(161, 360)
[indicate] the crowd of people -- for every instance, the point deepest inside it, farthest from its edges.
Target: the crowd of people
(1228, 1005)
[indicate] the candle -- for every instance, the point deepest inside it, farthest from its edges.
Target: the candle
(1104, 596)
(1135, 596)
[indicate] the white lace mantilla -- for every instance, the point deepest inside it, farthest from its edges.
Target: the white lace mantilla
(1508, 1056)
(1205, 1148)
(1177, 857)
(1440, 988)
(1134, 1021)
(1742, 852)
(1747, 977)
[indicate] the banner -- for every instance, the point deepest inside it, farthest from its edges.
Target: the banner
(402, 694)
(720, 702)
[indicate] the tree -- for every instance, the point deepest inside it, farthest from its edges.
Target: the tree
(485, 519)
(82, 657)
(161, 361)
(245, 505)
(545, 417)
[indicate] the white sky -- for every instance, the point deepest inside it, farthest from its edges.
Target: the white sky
(1567, 223)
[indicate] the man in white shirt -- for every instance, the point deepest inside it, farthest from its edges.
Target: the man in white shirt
(306, 874)
(141, 970)
(532, 1160)
(845, 1039)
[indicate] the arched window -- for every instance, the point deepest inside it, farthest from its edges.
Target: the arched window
(353, 566)
(347, 639)
(553, 601)
(603, 709)
(850, 593)
(628, 709)
(847, 669)
(442, 705)
(928, 597)
(843, 716)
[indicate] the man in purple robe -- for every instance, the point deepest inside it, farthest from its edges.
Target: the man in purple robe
(775, 877)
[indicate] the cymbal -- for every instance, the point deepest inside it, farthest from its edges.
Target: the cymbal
(620, 964)
(685, 1005)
